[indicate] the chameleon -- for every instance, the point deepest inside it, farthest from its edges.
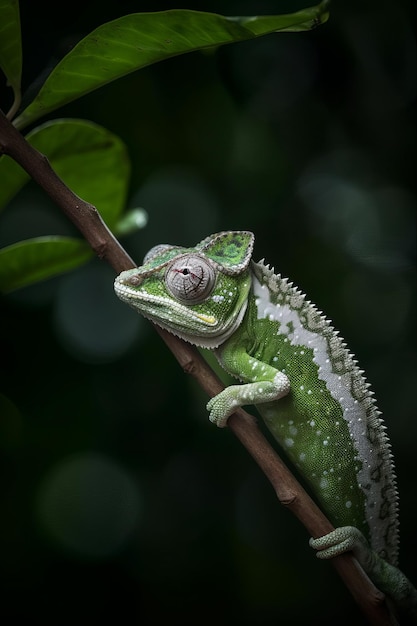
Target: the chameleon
(298, 372)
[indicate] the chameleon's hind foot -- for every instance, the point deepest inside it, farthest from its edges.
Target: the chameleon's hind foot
(385, 576)
(341, 540)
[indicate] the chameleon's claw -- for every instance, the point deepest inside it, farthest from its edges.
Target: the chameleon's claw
(220, 409)
(338, 541)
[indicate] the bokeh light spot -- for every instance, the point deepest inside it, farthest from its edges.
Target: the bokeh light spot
(89, 505)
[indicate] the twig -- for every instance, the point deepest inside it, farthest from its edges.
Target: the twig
(289, 492)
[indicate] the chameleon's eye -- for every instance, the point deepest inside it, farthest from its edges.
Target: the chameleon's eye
(190, 279)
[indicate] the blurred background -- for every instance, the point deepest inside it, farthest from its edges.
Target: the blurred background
(119, 500)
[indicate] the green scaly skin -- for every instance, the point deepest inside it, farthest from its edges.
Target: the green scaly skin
(298, 372)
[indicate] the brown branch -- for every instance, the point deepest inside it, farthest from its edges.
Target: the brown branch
(289, 492)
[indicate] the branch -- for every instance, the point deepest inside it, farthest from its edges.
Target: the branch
(289, 492)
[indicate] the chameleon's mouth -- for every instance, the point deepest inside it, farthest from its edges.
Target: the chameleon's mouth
(162, 310)
(189, 323)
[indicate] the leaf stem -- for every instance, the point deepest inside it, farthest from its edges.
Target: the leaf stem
(16, 103)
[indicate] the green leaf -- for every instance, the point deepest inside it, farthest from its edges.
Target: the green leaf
(11, 44)
(12, 178)
(29, 261)
(135, 41)
(92, 161)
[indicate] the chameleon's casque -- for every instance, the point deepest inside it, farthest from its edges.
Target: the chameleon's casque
(294, 366)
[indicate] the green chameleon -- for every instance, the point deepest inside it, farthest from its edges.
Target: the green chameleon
(301, 377)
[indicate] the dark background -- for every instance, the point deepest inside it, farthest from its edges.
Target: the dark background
(119, 501)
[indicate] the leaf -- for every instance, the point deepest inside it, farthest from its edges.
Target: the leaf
(29, 261)
(11, 44)
(92, 161)
(135, 41)
(12, 178)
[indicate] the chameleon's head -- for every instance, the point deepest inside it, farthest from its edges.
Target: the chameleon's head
(199, 294)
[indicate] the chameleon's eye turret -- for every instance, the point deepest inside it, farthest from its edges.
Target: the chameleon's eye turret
(190, 279)
(156, 251)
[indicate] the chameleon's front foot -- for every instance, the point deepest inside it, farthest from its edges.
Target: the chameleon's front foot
(221, 407)
(228, 400)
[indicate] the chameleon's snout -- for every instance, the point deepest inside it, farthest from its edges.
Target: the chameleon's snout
(126, 282)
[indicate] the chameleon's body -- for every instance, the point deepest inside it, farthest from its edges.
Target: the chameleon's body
(298, 373)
